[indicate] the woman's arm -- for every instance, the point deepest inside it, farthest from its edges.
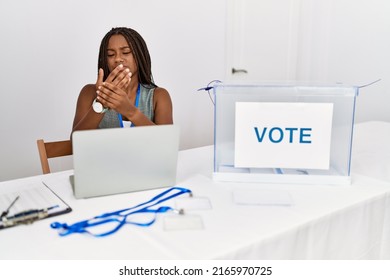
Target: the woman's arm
(162, 106)
(116, 98)
(163, 110)
(85, 116)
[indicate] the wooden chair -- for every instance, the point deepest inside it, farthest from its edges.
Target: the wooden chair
(51, 150)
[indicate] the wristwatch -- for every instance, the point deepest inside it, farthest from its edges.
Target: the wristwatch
(98, 107)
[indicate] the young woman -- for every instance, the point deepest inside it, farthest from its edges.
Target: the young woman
(124, 94)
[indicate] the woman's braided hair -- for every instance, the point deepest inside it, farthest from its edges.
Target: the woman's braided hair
(140, 53)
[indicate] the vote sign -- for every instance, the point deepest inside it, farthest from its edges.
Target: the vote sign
(283, 135)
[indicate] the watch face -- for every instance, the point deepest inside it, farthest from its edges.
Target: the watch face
(97, 106)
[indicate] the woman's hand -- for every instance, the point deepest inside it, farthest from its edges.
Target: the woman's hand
(114, 97)
(111, 93)
(120, 77)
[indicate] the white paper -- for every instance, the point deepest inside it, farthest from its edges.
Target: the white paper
(262, 197)
(31, 196)
(283, 135)
(183, 222)
(193, 203)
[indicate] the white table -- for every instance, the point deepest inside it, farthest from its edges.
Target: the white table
(325, 222)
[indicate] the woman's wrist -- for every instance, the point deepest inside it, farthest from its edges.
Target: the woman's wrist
(132, 114)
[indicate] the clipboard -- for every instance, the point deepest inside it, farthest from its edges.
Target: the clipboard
(29, 203)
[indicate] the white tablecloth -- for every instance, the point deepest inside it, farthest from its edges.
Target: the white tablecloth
(324, 222)
(371, 150)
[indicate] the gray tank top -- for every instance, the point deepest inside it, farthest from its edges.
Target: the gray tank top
(145, 105)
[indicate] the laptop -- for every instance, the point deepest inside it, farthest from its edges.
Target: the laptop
(121, 160)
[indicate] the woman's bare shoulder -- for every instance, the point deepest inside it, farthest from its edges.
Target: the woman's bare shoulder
(160, 92)
(89, 88)
(88, 91)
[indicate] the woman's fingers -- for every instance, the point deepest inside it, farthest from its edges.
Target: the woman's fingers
(123, 78)
(108, 93)
(99, 80)
(120, 76)
(113, 97)
(114, 73)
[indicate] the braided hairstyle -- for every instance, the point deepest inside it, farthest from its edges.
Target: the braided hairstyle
(140, 53)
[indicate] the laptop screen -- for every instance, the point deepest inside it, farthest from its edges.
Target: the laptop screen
(117, 160)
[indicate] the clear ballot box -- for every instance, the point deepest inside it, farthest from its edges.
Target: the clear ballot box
(283, 133)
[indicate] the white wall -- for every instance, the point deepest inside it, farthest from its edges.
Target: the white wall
(49, 50)
(348, 41)
(333, 41)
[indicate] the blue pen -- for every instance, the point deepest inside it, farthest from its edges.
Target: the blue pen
(32, 212)
(26, 217)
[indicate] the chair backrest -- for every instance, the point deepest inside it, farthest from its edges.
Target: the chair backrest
(51, 150)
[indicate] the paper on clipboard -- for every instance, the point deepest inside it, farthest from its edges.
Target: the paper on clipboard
(33, 196)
